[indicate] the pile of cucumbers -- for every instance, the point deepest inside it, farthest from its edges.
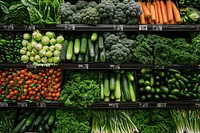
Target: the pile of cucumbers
(83, 48)
(35, 120)
(118, 86)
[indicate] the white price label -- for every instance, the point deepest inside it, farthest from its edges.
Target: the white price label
(143, 105)
(118, 27)
(157, 27)
(30, 66)
(83, 66)
(143, 27)
(197, 105)
(29, 27)
(8, 27)
(41, 105)
(70, 26)
(161, 105)
(3, 104)
(113, 105)
(114, 67)
(22, 104)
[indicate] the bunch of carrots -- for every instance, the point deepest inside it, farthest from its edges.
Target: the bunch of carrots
(33, 85)
(159, 12)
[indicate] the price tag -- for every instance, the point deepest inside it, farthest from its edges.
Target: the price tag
(70, 27)
(160, 67)
(198, 27)
(29, 27)
(41, 105)
(3, 104)
(197, 105)
(118, 27)
(113, 105)
(30, 66)
(22, 104)
(161, 105)
(143, 105)
(114, 67)
(157, 27)
(83, 66)
(143, 27)
(8, 27)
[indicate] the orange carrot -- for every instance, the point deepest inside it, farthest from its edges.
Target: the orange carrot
(156, 12)
(159, 12)
(142, 17)
(152, 11)
(166, 13)
(173, 21)
(148, 5)
(152, 22)
(162, 7)
(169, 10)
(176, 13)
(146, 11)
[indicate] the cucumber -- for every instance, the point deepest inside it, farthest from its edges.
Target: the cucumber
(77, 45)
(112, 82)
(38, 120)
(19, 126)
(91, 48)
(174, 91)
(143, 71)
(130, 76)
(174, 71)
(87, 56)
(132, 90)
(102, 88)
(80, 57)
(74, 56)
(178, 76)
(177, 85)
(46, 117)
(123, 99)
(63, 51)
(30, 119)
(46, 127)
(96, 58)
(103, 55)
(32, 127)
(94, 36)
(164, 89)
(117, 91)
(112, 95)
(23, 129)
(41, 129)
(173, 97)
(100, 43)
(51, 119)
(171, 81)
(181, 83)
(106, 88)
(125, 87)
(69, 53)
(83, 44)
(151, 80)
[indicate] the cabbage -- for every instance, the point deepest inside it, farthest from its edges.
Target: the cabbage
(26, 36)
(34, 44)
(29, 47)
(56, 53)
(44, 59)
(46, 48)
(24, 58)
(49, 54)
(25, 48)
(37, 58)
(38, 46)
(50, 34)
(60, 39)
(50, 60)
(42, 52)
(51, 48)
(58, 46)
(45, 40)
(34, 52)
(32, 58)
(22, 51)
(52, 41)
(25, 43)
(28, 53)
(37, 35)
(56, 60)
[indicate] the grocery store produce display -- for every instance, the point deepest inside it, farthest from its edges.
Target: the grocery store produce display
(35, 120)
(35, 85)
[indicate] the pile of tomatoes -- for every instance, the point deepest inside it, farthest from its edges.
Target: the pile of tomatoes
(33, 85)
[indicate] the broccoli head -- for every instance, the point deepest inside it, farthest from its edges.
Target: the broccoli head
(92, 4)
(90, 16)
(76, 18)
(81, 4)
(110, 41)
(119, 53)
(133, 9)
(119, 16)
(67, 11)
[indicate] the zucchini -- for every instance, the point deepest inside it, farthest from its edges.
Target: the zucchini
(38, 120)
(41, 129)
(100, 43)
(178, 76)
(112, 95)
(46, 127)
(125, 88)
(51, 119)
(83, 43)
(32, 127)
(87, 56)
(80, 57)
(112, 82)
(174, 71)
(151, 80)
(94, 36)
(69, 53)
(44, 111)
(77, 45)
(91, 48)
(96, 58)
(103, 55)
(46, 117)
(117, 91)
(123, 99)
(102, 88)
(23, 129)
(181, 83)
(106, 99)
(19, 126)
(164, 89)
(106, 88)
(130, 76)
(132, 90)
(63, 51)
(30, 119)
(74, 56)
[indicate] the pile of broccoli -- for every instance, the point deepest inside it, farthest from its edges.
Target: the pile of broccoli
(109, 11)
